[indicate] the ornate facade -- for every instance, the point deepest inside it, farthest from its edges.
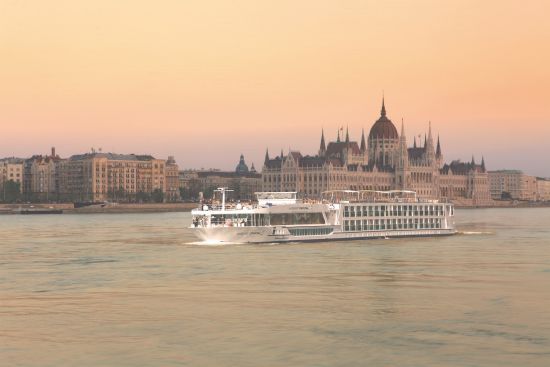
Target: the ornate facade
(109, 176)
(384, 163)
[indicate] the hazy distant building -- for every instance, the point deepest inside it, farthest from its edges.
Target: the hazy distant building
(242, 181)
(543, 189)
(386, 162)
(512, 184)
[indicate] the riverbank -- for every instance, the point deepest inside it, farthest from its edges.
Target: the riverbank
(109, 208)
(186, 207)
(506, 204)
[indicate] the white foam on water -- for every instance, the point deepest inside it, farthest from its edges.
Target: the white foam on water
(213, 243)
(475, 232)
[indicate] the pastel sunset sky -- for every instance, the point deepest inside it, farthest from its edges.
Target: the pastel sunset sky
(207, 80)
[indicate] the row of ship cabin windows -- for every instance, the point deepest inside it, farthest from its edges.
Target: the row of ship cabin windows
(310, 231)
(393, 210)
(391, 224)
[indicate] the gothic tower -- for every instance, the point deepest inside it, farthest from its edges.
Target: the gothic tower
(402, 161)
(322, 147)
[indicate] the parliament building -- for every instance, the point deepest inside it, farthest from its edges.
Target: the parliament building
(383, 162)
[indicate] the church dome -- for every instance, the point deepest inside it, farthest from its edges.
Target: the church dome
(242, 168)
(383, 128)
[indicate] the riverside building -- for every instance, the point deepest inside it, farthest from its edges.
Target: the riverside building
(41, 177)
(172, 180)
(11, 169)
(108, 176)
(383, 162)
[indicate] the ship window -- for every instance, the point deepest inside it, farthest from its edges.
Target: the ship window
(309, 231)
(346, 211)
(296, 218)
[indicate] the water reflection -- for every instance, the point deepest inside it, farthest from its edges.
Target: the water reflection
(138, 290)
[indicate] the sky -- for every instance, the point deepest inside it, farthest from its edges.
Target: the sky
(205, 81)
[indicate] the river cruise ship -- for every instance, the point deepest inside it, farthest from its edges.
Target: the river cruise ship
(338, 215)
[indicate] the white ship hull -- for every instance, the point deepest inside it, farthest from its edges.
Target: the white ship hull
(266, 235)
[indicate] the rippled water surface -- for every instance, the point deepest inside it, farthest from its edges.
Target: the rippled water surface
(134, 290)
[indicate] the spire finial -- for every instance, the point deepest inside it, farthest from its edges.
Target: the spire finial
(266, 155)
(363, 145)
(338, 138)
(438, 149)
(383, 111)
(323, 147)
(347, 134)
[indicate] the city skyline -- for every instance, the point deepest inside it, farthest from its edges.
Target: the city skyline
(206, 84)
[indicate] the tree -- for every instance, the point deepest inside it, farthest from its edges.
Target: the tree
(12, 191)
(185, 193)
(209, 192)
(143, 197)
(157, 196)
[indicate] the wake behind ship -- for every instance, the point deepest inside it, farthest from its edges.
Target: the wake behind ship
(338, 215)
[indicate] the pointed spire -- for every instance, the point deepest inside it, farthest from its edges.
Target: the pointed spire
(430, 129)
(282, 155)
(414, 146)
(266, 156)
(425, 141)
(473, 163)
(483, 163)
(338, 138)
(347, 134)
(402, 128)
(363, 145)
(438, 150)
(383, 111)
(323, 147)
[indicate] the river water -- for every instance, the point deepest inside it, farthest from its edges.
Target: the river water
(136, 290)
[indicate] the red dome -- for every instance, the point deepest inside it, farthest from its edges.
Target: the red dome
(383, 128)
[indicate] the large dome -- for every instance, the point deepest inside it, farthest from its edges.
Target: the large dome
(383, 128)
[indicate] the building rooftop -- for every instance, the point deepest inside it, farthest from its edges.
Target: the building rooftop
(12, 160)
(113, 157)
(508, 171)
